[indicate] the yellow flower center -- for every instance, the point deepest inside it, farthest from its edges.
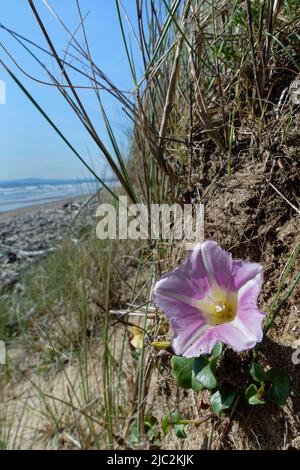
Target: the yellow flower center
(224, 312)
(219, 308)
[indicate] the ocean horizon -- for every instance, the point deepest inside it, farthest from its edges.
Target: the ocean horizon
(16, 194)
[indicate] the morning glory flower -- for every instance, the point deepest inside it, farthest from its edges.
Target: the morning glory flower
(211, 298)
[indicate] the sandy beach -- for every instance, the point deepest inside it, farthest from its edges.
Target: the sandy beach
(28, 233)
(40, 207)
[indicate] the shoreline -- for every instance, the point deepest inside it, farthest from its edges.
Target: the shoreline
(39, 207)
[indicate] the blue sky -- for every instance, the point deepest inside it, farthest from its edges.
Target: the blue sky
(29, 147)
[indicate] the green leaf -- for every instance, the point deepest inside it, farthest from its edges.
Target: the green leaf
(280, 388)
(182, 371)
(213, 365)
(217, 349)
(253, 395)
(150, 423)
(196, 386)
(175, 417)
(178, 426)
(220, 401)
(165, 424)
(257, 373)
(278, 391)
(204, 372)
(179, 431)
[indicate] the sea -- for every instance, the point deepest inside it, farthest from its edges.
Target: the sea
(16, 194)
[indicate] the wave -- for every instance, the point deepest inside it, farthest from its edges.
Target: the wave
(14, 197)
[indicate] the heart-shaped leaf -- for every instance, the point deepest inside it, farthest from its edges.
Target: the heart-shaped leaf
(204, 372)
(196, 386)
(182, 371)
(253, 396)
(280, 386)
(220, 401)
(257, 373)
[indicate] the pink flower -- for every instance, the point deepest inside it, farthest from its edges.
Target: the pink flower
(211, 297)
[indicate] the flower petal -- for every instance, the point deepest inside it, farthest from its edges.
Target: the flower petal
(246, 329)
(188, 280)
(248, 312)
(186, 339)
(235, 334)
(188, 323)
(218, 265)
(243, 272)
(204, 344)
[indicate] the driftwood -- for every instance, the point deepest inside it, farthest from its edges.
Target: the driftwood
(34, 254)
